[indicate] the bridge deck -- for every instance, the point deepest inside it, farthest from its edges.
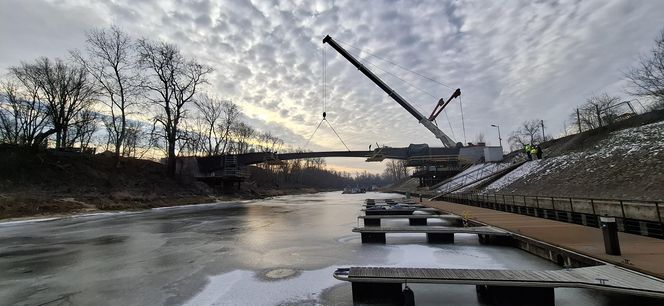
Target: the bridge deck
(481, 230)
(442, 217)
(606, 278)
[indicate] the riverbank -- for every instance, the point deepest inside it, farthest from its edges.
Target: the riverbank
(44, 183)
(41, 205)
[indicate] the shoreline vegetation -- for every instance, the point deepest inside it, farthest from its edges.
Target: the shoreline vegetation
(51, 182)
(33, 207)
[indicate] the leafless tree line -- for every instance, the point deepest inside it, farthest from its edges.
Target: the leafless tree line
(140, 94)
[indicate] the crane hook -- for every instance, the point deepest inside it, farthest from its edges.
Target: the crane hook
(324, 114)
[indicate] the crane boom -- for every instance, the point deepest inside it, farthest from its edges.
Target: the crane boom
(447, 141)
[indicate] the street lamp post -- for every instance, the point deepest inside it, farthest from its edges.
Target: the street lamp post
(500, 140)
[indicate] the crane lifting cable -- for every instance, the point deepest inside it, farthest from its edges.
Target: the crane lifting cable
(446, 140)
(440, 106)
(395, 64)
(324, 78)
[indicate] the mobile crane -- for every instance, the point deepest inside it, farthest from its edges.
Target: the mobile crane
(427, 122)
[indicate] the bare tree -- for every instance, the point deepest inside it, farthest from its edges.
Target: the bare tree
(64, 88)
(172, 81)
(242, 134)
(22, 116)
(83, 128)
(268, 142)
(647, 77)
(132, 139)
(111, 61)
(231, 114)
(211, 111)
(530, 132)
(599, 110)
(396, 170)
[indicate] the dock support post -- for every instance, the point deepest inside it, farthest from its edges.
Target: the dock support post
(496, 240)
(440, 238)
(503, 295)
(373, 237)
(371, 222)
(610, 233)
(377, 293)
(415, 221)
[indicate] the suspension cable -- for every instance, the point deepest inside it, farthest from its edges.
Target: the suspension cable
(450, 123)
(463, 123)
(406, 82)
(314, 133)
(395, 64)
(335, 132)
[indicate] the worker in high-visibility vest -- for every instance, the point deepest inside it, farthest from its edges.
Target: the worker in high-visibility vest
(533, 151)
(527, 148)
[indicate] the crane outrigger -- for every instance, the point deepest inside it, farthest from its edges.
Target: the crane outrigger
(427, 122)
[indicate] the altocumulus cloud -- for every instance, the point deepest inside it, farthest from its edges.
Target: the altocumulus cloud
(513, 60)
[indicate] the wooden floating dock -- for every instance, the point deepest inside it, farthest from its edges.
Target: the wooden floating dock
(538, 236)
(395, 205)
(397, 211)
(502, 287)
(419, 220)
(435, 234)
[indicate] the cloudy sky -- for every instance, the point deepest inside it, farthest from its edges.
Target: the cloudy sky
(513, 60)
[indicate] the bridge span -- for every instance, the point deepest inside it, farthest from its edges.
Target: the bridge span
(417, 155)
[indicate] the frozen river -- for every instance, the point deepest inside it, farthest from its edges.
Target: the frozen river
(279, 251)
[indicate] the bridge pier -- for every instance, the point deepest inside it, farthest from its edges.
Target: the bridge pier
(377, 293)
(415, 221)
(505, 295)
(496, 240)
(371, 222)
(440, 238)
(373, 237)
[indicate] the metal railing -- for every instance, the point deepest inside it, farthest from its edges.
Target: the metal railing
(634, 216)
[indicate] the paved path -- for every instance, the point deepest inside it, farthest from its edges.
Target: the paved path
(645, 254)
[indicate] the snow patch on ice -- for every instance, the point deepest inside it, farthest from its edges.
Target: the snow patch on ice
(240, 287)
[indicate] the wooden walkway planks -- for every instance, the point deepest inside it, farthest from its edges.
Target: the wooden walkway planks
(442, 217)
(405, 209)
(645, 254)
(605, 277)
(485, 230)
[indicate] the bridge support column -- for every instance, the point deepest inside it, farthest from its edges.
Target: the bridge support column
(415, 221)
(502, 295)
(496, 240)
(440, 238)
(377, 293)
(373, 237)
(371, 222)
